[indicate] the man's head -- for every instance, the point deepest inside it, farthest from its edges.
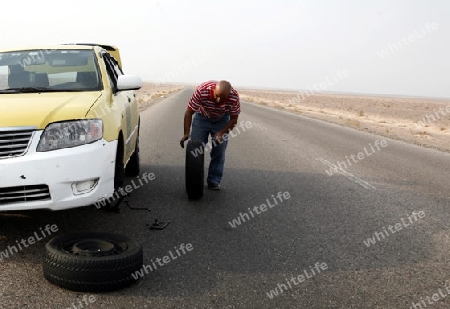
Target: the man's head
(222, 91)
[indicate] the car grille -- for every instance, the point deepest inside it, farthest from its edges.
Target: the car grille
(14, 141)
(22, 194)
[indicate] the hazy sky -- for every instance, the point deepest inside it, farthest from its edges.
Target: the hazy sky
(380, 47)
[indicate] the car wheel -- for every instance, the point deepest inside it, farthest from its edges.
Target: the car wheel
(112, 203)
(133, 166)
(92, 261)
(194, 170)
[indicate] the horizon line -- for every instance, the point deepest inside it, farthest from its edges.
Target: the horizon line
(386, 95)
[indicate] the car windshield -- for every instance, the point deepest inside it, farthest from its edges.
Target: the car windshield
(48, 70)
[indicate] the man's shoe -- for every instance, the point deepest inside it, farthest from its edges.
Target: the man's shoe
(214, 186)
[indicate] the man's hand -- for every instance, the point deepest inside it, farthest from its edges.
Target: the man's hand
(219, 137)
(183, 139)
(229, 126)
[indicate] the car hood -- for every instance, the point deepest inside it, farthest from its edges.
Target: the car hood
(40, 109)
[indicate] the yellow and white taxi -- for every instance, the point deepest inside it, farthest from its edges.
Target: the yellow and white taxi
(69, 126)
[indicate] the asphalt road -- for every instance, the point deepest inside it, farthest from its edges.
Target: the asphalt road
(311, 245)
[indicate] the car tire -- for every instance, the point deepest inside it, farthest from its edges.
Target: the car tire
(133, 165)
(112, 203)
(92, 261)
(194, 170)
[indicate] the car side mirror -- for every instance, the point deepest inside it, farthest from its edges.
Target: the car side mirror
(129, 82)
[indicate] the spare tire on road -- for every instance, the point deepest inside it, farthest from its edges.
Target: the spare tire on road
(92, 261)
(194, 169)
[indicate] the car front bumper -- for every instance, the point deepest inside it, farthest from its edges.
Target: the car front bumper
(59, 179)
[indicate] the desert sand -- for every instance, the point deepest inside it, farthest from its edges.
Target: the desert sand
(421, 121)
(151, 93)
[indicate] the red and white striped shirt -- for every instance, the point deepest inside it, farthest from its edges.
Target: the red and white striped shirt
(203, 101)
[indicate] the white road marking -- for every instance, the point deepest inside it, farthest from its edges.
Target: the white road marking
(350, 176)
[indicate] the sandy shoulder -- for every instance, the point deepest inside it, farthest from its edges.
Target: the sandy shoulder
(152, 93)
(425, 122)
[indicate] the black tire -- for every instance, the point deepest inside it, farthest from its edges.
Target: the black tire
(194, 170)
(133, 165)
(92, 261)
(113, 203)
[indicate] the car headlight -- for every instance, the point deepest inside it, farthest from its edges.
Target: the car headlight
(66, 134)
